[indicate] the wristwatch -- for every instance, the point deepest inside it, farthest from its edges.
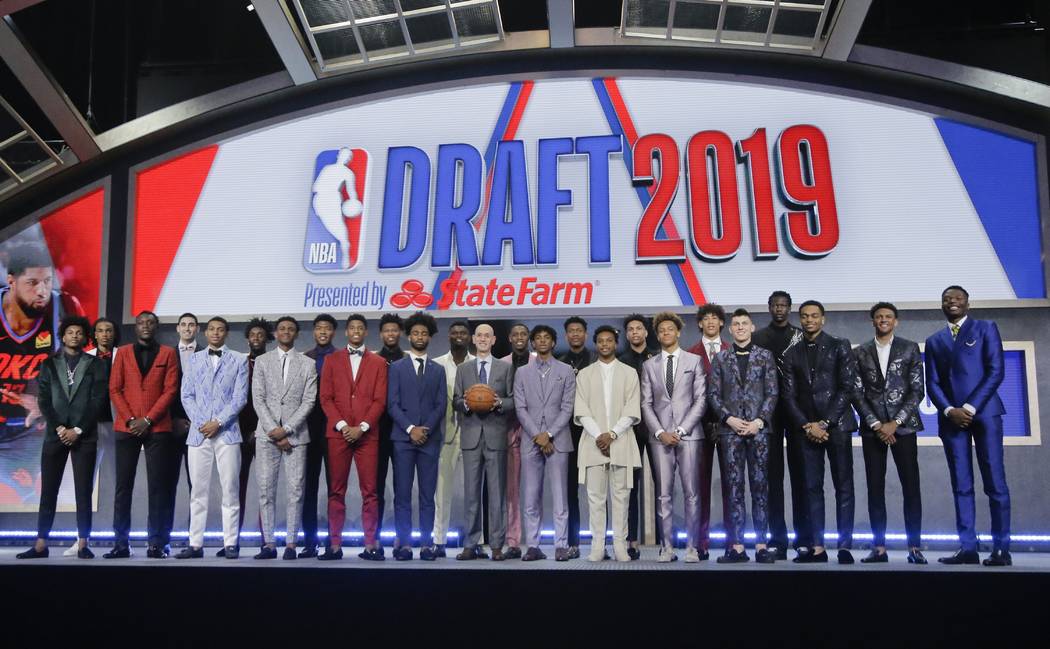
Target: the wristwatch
(149, 422)
(898, 421)
(761, 424)
(612, 433)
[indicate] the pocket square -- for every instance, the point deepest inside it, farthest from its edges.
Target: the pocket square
(971, 343)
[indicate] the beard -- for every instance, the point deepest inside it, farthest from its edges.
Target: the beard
(31, 310)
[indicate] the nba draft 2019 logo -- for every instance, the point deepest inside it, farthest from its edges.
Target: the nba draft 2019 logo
(335, 225)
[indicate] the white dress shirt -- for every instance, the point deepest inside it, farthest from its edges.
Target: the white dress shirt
(621, 426)
(186, 351)
(711, 347)
(883, 352)
(355, 363)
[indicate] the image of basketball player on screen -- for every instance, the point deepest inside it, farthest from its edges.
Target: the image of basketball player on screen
(30, 311)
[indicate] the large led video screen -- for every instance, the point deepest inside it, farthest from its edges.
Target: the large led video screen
(577, 194)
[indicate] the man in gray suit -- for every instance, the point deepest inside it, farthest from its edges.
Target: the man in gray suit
(283, 392)
(483, 438)
(544, 394)
(673, 401)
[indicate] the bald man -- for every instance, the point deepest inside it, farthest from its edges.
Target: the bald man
(483, 438)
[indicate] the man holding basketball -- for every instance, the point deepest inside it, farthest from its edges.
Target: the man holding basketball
(483, 397)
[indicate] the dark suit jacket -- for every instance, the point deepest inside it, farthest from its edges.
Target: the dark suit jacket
(135, 395)
(897, 395)
(711, 421)
(750, 397)
(411, 402)
(831, 389)
(344, 399)
(78, 406)
(968, 369)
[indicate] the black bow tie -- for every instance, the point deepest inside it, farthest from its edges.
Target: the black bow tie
(356, 351)
(215, 352)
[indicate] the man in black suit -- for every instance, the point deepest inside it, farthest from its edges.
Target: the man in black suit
(889, 389)
(817, 387)
(577, 357)
(391, 326)
(317, 449)
(72, 391)
(779, 337)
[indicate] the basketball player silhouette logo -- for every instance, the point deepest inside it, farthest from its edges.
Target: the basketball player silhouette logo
(337, 205)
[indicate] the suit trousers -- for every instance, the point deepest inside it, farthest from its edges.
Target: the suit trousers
(163, 457)
(986, 437)
(248, 449)
(267, 469)
(796, 470)
(839, 450)
(683, 460)
(446, 485)
(341, 456)
(514, 487)
(214, 452)
(181, 429)
(556, 467)
(411, 463)
(316, 459)
(634, 513)
(52, 466)
(749, 453)
(709, 449)
(573, 487)
(906, 457)
(485, 468)
(608, 483)
(384, 461)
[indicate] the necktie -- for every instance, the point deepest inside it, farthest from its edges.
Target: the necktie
(955, 330)
(482, 374)
(669, 378)
(284, 367)
(712, 350)
(419, 370)
(215, 352)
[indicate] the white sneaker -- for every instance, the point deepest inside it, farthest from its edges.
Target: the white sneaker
(620, 552)
(71, 551)
(692, 556)
(667, 555)
(596, 557)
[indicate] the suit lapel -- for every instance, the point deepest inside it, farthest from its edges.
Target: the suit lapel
(63, 372)
(78, 376)
(964, 334)
(873, 352)
(293, 371)
(679, 369)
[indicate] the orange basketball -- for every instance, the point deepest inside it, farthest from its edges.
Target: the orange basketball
(480, 398)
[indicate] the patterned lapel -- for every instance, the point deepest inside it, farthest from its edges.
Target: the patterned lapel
(873, 352)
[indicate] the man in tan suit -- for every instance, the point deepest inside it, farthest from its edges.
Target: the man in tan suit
(608, 405)
(458, 353)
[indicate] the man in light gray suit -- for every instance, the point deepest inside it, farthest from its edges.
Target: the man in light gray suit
(673, 401)
(544, 393)
(483, 438)
(283, 393)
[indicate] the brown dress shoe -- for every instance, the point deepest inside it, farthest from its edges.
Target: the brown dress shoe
(497, 555)
(534, 554)
(512, 553)
(468, 554)
(562, 554)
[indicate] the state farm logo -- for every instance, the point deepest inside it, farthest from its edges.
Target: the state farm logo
(411, 294)
(335, 222)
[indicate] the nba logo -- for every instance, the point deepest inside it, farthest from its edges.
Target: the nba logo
(334, 226)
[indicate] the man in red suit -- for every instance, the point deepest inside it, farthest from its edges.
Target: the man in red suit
(353, 396)
(142, 385)
(710, 320)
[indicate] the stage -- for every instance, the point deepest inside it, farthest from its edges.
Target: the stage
(212, 601)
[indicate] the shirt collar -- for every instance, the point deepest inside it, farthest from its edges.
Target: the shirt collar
(188, 347)
(959, 324)
(710, 341)
(416, 356)
(486, 358)
(880, 345)
(664, 354)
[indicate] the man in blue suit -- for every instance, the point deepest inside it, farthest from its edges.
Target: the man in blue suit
(214, 390)
(964, 367)
(416, 400)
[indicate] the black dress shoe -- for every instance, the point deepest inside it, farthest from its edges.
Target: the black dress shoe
(33, 553)
(309, 552)
(289, 554)
(765, 555)
(574, 552)
(962, 557)
(266, 552)
(779, 552)
(427, 553)
(876, 557)
(403, 554)
(802, 555)
(158, 552)
(915, 556)
(634, 553)
(732, 556)
(999, 558)
(811, 557)
(533, 554)
(190, 552)
(512, 553)
(233, 551)
(373, 554)
(221, 554)
(118, 552)
(703, 555)
(85, 553)
(563, 554)
(845, 557)
(439, 552)
(331, 555)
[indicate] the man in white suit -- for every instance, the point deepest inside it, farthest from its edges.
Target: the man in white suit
(283, 393)
(214, 389)
(673, 401)
(607, 407)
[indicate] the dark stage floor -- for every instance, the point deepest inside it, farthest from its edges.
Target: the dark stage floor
(219, 602)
